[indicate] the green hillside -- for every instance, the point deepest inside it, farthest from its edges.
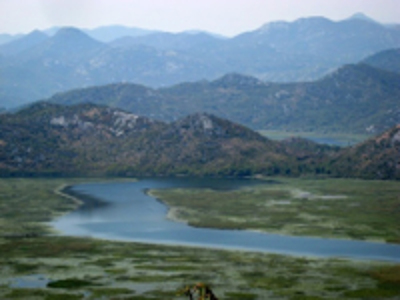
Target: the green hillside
(87, 139)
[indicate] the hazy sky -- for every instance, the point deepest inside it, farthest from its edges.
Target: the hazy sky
(228, 17)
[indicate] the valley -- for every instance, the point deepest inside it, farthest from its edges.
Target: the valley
(136, 162)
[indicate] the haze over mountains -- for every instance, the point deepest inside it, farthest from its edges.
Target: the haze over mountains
(156, 103)
(355, 98)
(37, 65)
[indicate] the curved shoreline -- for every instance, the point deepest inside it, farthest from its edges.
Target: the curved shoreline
(139, 226)
(83, 200)
(61, 191)
(88, 201)
(173, 215)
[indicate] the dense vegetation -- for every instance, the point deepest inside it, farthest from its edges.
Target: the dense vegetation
(377, 157)
(87, 139)
(48, 139)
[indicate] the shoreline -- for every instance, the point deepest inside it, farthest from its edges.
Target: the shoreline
(83, 200)
(138, 269)
(173, 215)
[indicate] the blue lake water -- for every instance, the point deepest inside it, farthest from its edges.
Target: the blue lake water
(132, 215)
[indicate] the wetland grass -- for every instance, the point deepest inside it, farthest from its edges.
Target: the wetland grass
(84, 268)
(338, 208)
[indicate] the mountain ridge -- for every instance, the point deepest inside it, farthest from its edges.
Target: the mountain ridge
(344, 101)
(388, 60)
(302, 50)
(24, 43)
(91, 140)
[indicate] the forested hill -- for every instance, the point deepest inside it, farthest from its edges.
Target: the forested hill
(379, 157)
(86, 139)
(356, 98)
(97, 140)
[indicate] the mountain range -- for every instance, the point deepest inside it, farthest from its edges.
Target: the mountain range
(354, 99)
(86, 139)
(37, 65)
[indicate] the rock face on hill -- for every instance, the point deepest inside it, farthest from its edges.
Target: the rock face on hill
(47, 138)
(86, 139)
(89, 139)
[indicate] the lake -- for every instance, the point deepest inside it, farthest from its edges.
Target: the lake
(129, 214)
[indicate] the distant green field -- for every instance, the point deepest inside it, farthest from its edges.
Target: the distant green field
(341, 139)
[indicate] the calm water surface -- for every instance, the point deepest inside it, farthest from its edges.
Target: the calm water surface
(132, 215)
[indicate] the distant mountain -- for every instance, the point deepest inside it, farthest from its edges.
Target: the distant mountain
(110, 33)
(22, 44)
(304, 50)
(310, 47)
(6, 38)
(387, 60)
(377, 158)
(65, 46)
(107, 34)
(362, 16)
(56, 64)
(355, 98)
(52, 30)
(171, 41)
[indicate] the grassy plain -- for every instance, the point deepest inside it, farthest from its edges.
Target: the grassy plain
(339, 208)
(35, 265)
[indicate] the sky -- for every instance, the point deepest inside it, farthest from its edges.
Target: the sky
(226, 17)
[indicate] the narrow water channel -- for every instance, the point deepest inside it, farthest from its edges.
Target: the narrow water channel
(132, 215)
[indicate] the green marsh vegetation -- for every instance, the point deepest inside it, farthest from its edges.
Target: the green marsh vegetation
(26, 204)
(340, 208)
(84, 268)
